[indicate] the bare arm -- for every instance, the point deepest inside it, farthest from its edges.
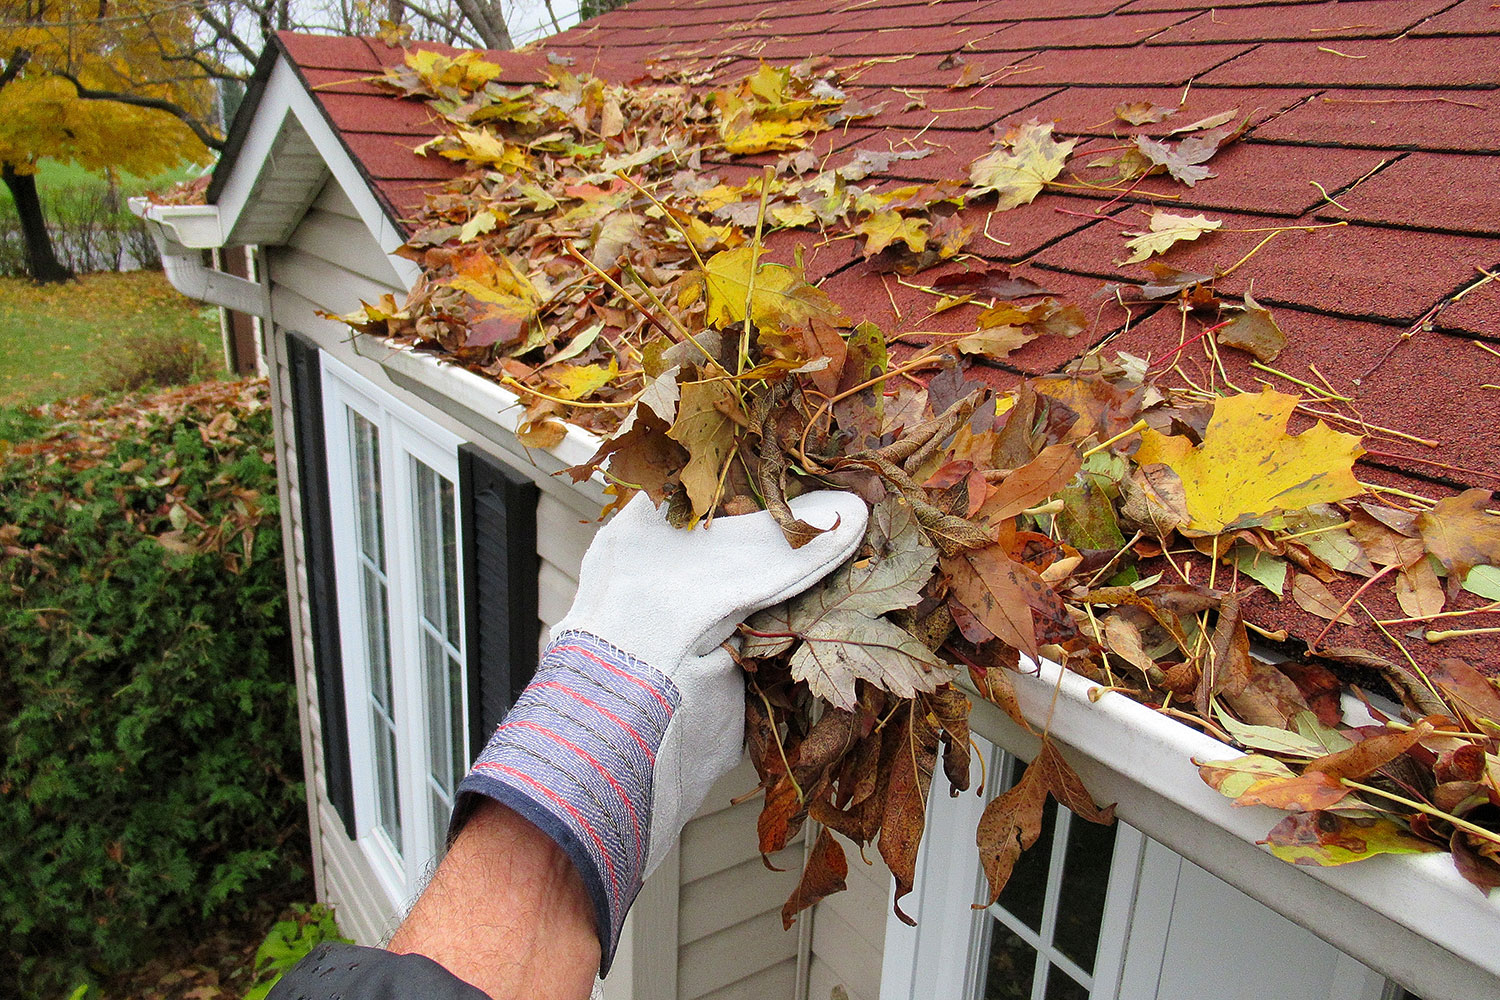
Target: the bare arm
(506, 912)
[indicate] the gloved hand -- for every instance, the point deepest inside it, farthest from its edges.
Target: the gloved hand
(636, 710)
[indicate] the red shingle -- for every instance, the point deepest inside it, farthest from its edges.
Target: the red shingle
(1086, 110)
(1078, 33)
(368, 113)
(329, 52)
(1036, 10)
(922, 71)
(390, 157)
(1166, 65)
(1393, 119)
(342, 81)
(1430, 191)
(1354, 270)
(1401, 62)
(1477, 313)
(1252, 177)
(1318, 21)
(953, 109)
(1471, 17)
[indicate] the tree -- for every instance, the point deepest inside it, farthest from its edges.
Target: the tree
(134, 84)
(94, 83)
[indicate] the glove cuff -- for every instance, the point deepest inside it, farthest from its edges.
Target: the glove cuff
(576, 757)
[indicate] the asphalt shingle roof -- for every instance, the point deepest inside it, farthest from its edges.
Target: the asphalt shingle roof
(1383, 114)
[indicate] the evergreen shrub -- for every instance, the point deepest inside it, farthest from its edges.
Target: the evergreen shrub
(149, 752)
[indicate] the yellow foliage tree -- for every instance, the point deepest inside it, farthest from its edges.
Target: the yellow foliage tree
(96, 83)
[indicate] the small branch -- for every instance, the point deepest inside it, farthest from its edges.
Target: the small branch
(1420, 807)
(155, 103)
(1313, 646)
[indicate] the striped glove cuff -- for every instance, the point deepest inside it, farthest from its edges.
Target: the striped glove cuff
(575, 756)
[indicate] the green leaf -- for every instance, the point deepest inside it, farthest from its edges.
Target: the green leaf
(1270, 738)
(1232, 778)
(1322, 838)
(1484, 581)
(1262, 567)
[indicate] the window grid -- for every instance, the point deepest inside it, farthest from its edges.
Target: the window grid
(393, 476)
(1048, 955)
(370, 515)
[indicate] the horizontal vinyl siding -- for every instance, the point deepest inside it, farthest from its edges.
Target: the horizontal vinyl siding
(848, 936)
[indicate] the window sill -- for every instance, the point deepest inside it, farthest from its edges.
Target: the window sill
(1412, 917)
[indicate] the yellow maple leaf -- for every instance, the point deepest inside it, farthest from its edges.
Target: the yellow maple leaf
(885, 228)
(782, 298)
(1248, 467)
(1166, 230)
(488, 149)
(1024, 160)
(578, 381)
(507, 294)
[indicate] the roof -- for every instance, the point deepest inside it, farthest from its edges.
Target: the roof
(1383, 115)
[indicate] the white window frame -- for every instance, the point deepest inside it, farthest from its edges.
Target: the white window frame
(944, 956)
(404, 435)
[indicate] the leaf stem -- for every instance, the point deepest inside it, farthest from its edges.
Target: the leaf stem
(514, 384)
(1421, 807)
(1134, 428)
(1313, 646)
(1297, 381)
(776, 735)
(1457, 633)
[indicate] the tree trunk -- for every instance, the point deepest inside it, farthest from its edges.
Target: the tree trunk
(41, 261)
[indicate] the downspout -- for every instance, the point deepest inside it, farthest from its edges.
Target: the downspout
(182, 233)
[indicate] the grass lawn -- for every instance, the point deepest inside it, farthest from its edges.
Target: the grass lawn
(60, 340)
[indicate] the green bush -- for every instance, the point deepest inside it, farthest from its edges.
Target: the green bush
(149, 755)
(157, 358)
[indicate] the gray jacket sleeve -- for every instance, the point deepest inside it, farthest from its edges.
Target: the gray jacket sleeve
(349, 972)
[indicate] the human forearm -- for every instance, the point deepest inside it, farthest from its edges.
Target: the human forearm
(506, 912)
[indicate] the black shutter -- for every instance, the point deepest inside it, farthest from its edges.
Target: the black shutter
(498, 512)
(322, 595)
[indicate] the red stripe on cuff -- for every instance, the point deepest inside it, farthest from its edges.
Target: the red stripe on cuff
(628, 676)
(646, 747)
(604, 772)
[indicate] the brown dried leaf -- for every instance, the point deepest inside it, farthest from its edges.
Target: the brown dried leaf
(823, 875)
(915, 753)
(1368, 755)
(1462, 534)
(1010, 824)
(1471, 693)
(1314, 598)
(993, 587)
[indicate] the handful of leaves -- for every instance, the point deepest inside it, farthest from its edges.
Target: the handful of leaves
(1110, 518)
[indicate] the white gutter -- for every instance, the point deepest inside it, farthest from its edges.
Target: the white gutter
(1411, 917)
(182, 233)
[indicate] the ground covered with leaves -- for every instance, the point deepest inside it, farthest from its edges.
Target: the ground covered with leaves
(604, 256)
(62, 340)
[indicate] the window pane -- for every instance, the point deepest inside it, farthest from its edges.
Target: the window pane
(459, 754)
(435, 680)
(367, 498)
(1060, 986)
(388, 805)
(450, 561)
(429, 542)
(1024, 894)
(1084, 885)
(377, 638)
(1011, 967)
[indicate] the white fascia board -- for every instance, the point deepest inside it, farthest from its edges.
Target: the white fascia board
(1412, 917)
(285, 95)
(476, 401)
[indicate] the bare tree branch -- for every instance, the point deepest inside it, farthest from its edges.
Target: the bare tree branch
(227, 35)
(156, 103)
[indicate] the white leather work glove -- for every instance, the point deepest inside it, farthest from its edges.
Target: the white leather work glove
(636, 709)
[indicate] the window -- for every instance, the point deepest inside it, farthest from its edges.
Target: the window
(1094, 913)
(394, 512)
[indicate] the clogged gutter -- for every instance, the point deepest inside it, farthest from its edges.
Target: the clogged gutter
(1115, 518)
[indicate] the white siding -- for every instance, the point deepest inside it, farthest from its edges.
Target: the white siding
(848, 938)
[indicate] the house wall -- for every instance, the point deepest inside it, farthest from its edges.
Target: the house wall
(708, 925)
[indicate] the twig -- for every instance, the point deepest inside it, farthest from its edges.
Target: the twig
(1420, 807)
(1297, 381)
(1313, 646)
(1488, 609)
(1457, 633)
(1134, 428)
